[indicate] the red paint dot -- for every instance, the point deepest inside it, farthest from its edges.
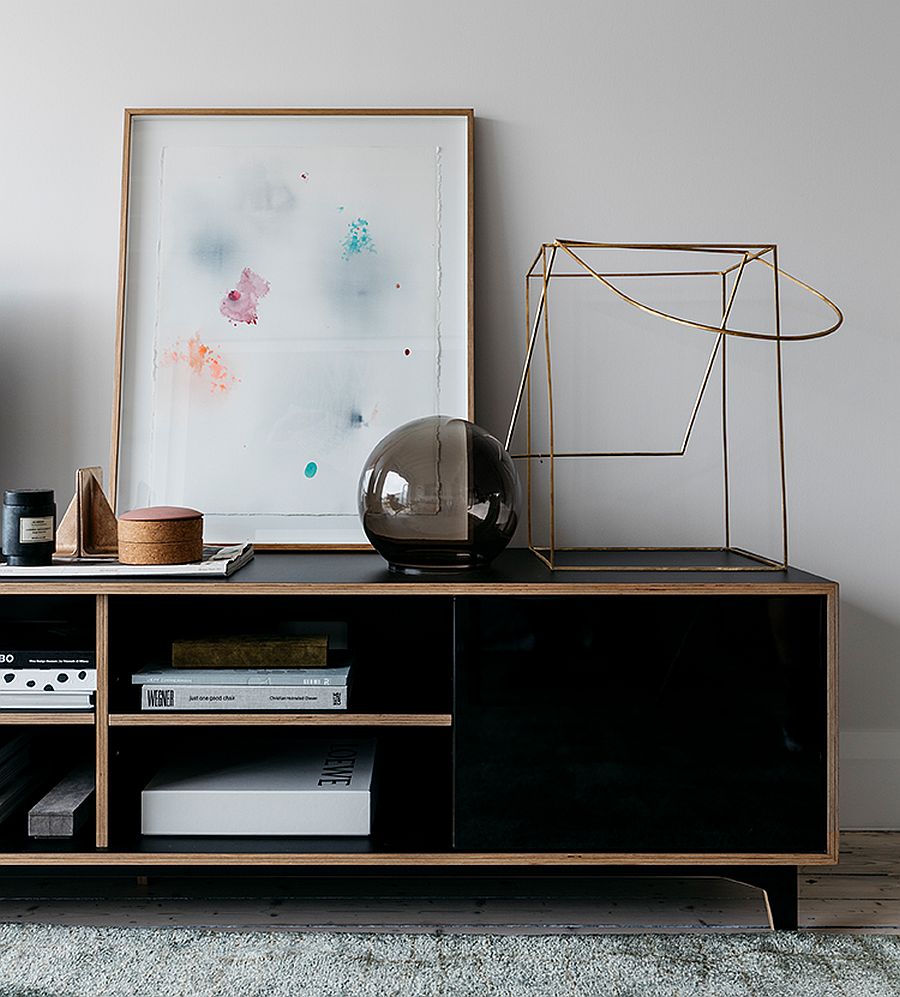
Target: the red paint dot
(397, 286)
(234, 295)
(407, 352)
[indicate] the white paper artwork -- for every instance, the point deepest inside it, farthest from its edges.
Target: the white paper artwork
(298, 318)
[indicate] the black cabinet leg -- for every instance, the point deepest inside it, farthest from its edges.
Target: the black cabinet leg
(780, 884)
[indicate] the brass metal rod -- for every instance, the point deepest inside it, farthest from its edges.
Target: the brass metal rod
(534, 262)
(611, 453)
(546, 560)
(528, 409)
(645, 273)
(780, 386)
(527, 366)
(702, 390)
(548, 269)
(726, 495)
(752, 257)
(626, 549)
(761, 563)
(702, 326)
(663, 568)
(712, 360)
(688, 247)
(813, 291)
(743, 552)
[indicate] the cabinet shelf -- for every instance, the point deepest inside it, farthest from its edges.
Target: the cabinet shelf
(37, 718)
(330, 719)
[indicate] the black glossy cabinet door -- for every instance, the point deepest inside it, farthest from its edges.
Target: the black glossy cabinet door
(641, 724)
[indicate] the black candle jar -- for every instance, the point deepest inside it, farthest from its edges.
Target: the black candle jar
(29, 526)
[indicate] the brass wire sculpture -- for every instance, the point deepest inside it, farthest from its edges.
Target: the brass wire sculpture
(542, 269)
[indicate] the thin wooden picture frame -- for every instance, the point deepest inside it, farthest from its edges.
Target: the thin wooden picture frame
(196, 325)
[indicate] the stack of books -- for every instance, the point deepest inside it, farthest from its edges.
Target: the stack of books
(246, 673)
(47, 680)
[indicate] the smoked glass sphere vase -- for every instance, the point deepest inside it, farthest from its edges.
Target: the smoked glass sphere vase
(439, 493)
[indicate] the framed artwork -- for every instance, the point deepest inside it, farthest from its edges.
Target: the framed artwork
(293, 285)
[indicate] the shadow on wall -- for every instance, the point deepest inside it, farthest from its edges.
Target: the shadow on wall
(870, 738)
(44, 385)
(500, 265)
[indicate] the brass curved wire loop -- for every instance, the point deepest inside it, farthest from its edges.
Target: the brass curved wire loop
(741, 333)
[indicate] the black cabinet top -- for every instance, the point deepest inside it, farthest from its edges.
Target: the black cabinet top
(516, 571)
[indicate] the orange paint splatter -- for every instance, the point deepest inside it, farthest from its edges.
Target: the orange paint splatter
(203, 362)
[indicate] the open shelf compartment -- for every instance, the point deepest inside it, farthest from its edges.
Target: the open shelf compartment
(399, 651)
(411, 791)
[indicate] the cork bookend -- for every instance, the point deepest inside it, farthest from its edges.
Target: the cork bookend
(88, 528)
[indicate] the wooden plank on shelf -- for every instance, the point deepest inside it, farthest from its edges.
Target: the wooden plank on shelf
(62, 811)
(229, 719)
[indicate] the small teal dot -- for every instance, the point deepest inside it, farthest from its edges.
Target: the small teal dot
(310, 469)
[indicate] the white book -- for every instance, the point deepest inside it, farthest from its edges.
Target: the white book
(217, 562)
(243, 697)
(46, 700)
(48, 680)
(314, 788)
(242, 676)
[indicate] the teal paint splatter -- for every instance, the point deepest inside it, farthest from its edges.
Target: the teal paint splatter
(310, 469)
(357, 239)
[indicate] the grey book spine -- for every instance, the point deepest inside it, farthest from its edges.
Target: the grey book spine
(242, 676)
(245, 697)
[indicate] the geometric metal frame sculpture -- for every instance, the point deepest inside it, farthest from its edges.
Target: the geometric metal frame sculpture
(738, 257)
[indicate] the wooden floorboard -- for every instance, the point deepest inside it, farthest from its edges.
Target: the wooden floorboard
(861, 894)
(610, 905)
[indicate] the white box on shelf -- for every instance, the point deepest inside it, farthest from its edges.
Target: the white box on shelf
(321, 787)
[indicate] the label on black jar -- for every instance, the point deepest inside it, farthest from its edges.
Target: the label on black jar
(35, 529)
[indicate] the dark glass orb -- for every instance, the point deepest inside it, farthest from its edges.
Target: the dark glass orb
(439, 493)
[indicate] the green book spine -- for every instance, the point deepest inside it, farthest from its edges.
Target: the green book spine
(251, 652)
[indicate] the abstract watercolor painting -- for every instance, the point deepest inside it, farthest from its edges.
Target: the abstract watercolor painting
(296, 286)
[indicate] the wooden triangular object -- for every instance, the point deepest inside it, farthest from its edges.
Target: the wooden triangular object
(89, 525)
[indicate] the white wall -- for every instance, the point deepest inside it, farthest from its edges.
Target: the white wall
(638, 121)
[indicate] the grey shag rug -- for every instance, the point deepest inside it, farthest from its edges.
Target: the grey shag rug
(46, 961)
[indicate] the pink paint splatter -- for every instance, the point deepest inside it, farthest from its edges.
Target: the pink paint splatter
(203, 361)
(239, 304)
